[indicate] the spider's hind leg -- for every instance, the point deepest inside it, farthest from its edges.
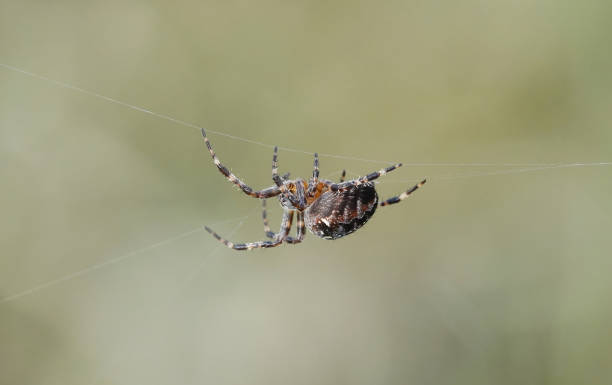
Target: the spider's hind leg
(404, 195)
(376, 174)
(368, 178)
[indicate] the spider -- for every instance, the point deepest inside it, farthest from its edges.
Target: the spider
(329, 210)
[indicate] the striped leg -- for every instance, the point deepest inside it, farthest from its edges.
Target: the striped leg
(244, 246)
(301, 230)
(278, 239)
(301, 227)
(368, 178)
(315, 168)
(285, 227)
(285, 224)
(374, 175)
(315, 175)
(267, 230)
(266, 193)
(277, 179)
(403, 195)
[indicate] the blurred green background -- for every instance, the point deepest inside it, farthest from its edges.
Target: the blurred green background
(501, 279)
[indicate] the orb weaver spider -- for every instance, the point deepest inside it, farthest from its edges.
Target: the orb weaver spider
(329, 210)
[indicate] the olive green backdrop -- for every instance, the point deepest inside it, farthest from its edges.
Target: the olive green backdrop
(490, 279)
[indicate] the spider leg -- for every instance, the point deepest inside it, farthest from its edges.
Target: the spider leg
(272, 235)
(374, 175)
(301, 230)
(278, 238)
(312, 184)
(315, 168)
(368, 178)
(266, 193)
(267, 230)
(403, 195)
(277, 179)
(244, 246)
(286, 222)
(342, 176)
(285, 227)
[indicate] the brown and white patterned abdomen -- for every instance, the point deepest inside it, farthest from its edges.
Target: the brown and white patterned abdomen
(336, 214)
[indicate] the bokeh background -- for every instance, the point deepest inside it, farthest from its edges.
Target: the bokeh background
(476, 279)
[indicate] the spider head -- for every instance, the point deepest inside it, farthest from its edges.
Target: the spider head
(294, 198)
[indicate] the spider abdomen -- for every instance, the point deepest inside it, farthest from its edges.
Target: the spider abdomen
(336, 214)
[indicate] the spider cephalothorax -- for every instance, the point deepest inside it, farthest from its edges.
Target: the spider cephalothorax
(329, 210)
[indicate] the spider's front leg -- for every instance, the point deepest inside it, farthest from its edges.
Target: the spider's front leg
(315, 175)
(301, 230)
(277, 239)
(301, 227)
(265, 193)
(243, 246)
(285, 223)
(277, 179)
